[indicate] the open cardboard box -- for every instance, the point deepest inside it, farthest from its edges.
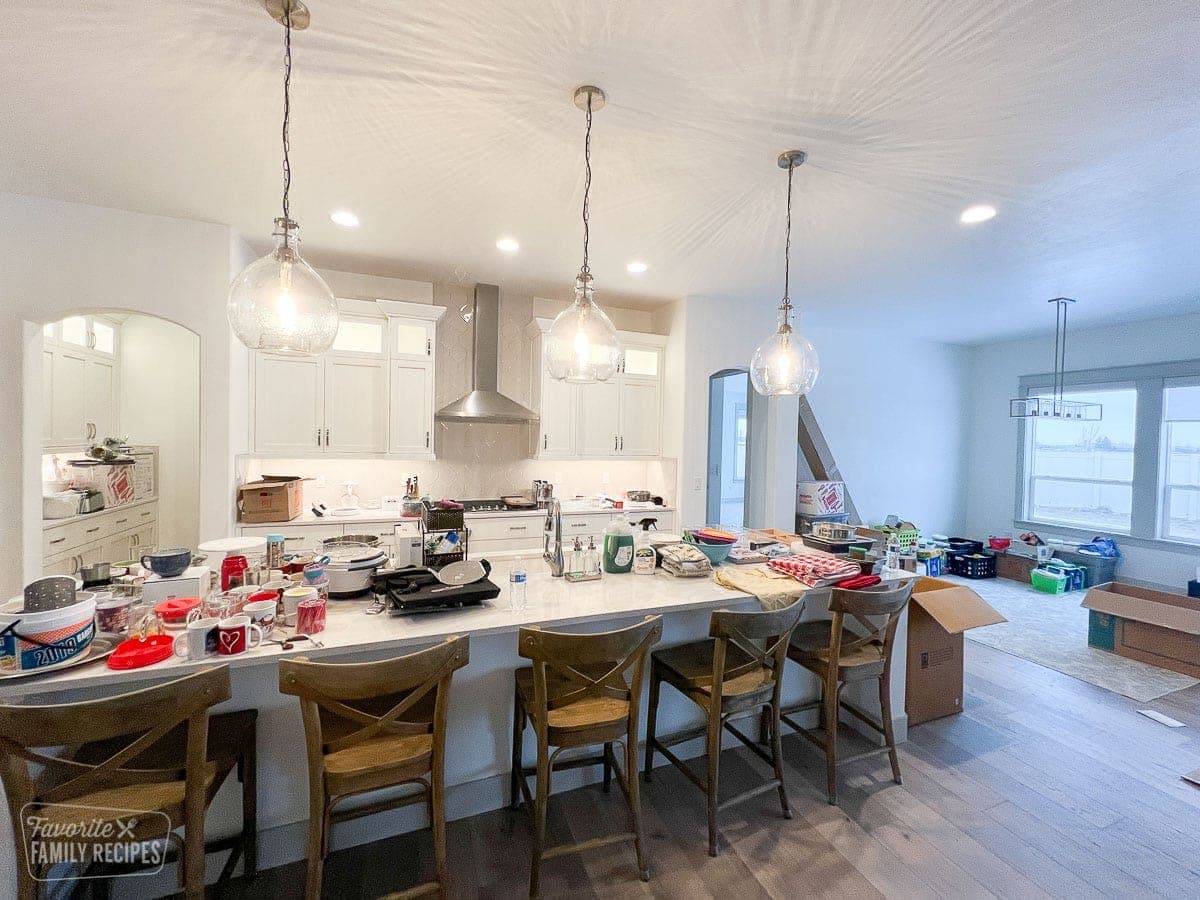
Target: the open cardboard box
(276, 498)
(1151, 626)
(938, 614)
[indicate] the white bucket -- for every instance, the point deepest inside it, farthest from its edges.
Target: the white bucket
(34, 640)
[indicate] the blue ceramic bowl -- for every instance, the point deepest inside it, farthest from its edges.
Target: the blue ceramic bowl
(716, 553)
(168, 563)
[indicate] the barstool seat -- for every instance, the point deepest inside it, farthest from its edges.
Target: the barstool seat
(811, 641)
(691, 665)
(584, 713)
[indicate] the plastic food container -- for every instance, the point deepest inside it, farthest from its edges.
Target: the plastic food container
(33, 640)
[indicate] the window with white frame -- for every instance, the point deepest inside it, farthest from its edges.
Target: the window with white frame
(1135, 472)
(1180, 497)
(1081, 473)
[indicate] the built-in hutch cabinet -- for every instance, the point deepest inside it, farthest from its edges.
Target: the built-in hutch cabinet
(370, 395)
(80, 381)
(621, 417)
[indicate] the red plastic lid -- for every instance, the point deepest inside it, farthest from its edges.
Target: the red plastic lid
(176, 609)
(135, 653)
(262, 595)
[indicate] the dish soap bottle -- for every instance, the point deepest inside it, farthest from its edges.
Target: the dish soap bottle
(591, 559)
(643, 553)
(618, 547)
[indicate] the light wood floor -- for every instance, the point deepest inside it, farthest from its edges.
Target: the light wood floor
(1044, 786)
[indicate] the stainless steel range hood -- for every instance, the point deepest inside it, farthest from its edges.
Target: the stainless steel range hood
(485, 403)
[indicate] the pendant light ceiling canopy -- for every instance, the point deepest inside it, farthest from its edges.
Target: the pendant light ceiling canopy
(1054, 406)
(786, 363)
(582, 345)
(279, 302)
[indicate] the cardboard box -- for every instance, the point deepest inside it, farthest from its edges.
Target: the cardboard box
(1153, 627)
(938, 614)
(276, 498)
(820, 498)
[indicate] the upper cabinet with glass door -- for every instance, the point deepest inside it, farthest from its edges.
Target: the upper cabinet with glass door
(80, 381)
(350, 401)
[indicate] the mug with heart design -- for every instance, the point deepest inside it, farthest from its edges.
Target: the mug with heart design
(237, 634)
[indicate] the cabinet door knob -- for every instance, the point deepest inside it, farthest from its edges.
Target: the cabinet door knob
(545, 442)
(326, 437)
(318, 437)
(427, 440)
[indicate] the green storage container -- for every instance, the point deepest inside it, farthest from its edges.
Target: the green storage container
(1048, 582)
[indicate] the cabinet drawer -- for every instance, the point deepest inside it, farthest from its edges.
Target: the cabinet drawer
(296, 537)
(481, 549)
(507, 528)
(585, 523)
(68, 537)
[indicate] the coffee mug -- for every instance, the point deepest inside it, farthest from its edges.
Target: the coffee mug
(292, 598)
(237, 634)
(261, 613)
(168, 563)
(199, 640)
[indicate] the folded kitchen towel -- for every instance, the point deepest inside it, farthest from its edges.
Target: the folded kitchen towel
(774, 590)
(859, 582)
(815, 571)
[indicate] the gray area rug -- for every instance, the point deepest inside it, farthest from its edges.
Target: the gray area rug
(1051, 630)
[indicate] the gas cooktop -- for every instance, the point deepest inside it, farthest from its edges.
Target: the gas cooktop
(496, 505)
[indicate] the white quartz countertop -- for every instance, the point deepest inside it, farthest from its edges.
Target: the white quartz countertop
(373, 516)
(552, 602)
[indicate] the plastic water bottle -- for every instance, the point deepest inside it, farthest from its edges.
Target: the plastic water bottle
(518, 600)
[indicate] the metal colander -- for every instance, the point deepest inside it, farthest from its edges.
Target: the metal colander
(52, 592)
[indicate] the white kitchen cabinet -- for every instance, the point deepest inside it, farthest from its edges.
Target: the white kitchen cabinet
(641, 416)
(80, 382)
(599, 418)
(618, 418)
(411, 426)
(371, 395)
(100, 397)
(356, 405)
(111, 535)
(289, 403)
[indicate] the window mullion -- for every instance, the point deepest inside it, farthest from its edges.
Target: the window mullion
(1147, 454)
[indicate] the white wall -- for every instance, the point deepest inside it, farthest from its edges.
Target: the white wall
(890, 408)
(61, 258)
(159, 363)
(995, 370)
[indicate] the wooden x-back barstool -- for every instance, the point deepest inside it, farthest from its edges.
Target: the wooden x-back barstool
(577, 694)
(370, 726)
(840, 656)
(139, 802)
(736, 673)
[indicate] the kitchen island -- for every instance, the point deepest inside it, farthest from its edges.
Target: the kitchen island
(478, 744)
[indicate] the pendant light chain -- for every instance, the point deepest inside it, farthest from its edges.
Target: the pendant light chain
(587, 182)
(287, 116)
(786, 306)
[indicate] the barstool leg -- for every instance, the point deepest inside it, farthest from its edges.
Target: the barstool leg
(539, 814)
(714, 762)
(518, 732)
(777, 757)
(608, 749)
(885, 710)
(437, 824)
(651, 719)
(635, 804)
(316, 853)
(831, 728)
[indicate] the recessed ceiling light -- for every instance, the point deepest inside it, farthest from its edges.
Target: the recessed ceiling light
(508, 245)
(636, 267)
(344, 217)
(980, 212)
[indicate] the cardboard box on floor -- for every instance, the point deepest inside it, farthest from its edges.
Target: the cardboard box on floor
(1153, 627)
(938, 614)
(276, 498)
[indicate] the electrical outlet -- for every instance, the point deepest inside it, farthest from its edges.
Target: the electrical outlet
(604, 478)
(697, 482)
(320, 482)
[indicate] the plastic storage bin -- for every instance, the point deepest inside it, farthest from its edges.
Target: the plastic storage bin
(973, 565)
(1048, 582)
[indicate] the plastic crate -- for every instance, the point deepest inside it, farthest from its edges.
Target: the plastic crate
(906, 537)
(964, 545)
(1048, 582)
(973, 565)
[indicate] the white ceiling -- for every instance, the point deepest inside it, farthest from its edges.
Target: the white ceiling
(446, 125)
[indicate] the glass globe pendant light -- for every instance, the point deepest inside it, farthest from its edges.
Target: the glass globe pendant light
(786, 363)
(279, 303)
(582, 345)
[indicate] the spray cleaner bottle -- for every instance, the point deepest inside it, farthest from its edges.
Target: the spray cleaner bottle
(644, 558)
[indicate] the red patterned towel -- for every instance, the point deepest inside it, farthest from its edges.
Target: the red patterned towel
(815, 571)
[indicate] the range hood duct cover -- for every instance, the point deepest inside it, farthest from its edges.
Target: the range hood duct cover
(485, 404)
